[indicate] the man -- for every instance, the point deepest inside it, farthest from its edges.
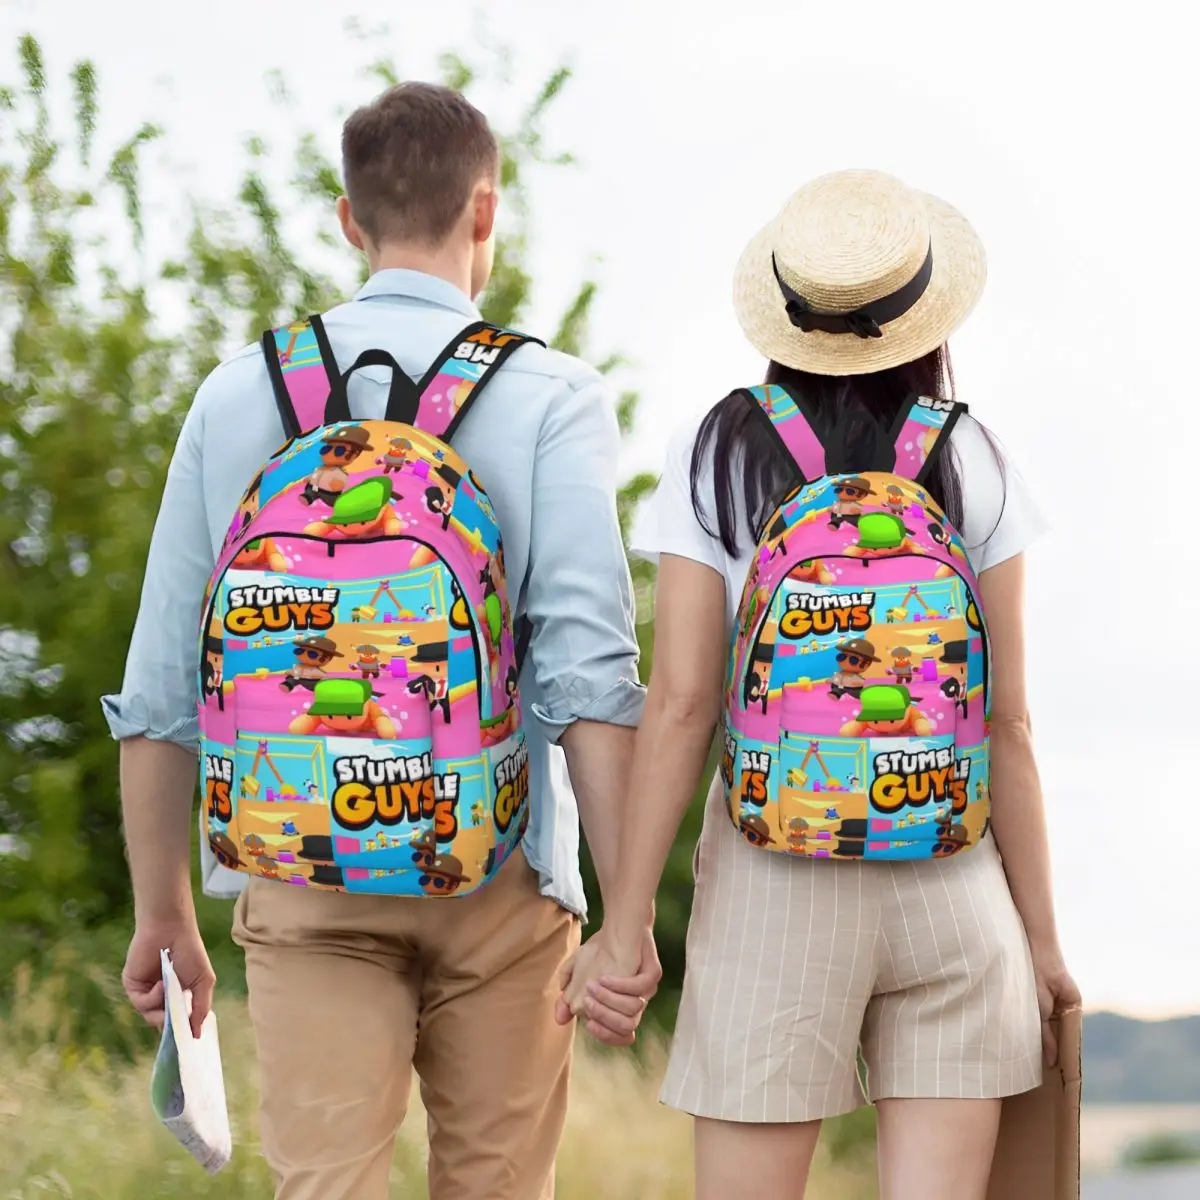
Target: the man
(370, 986)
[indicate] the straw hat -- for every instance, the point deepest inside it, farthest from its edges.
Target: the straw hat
(857, 273)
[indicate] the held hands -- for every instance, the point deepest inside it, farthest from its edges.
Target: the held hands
(142, 977)
(608, 987)
(1056, 993)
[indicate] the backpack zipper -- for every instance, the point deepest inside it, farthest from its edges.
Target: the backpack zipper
(332, 545)
(971, 598)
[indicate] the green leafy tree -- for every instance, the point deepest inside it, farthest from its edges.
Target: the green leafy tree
(93, 387)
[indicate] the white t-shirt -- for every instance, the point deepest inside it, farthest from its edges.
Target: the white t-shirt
(1000, 518)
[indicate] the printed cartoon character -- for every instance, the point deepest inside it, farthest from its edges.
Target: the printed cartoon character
(854, 658)
(212, 681)
(940, 535)
(954, 661)
(902, 664)
(424, 849)
(951, 838)
(262, 554)
(399, 454)
(848, 506)
(493, 614)
(433, 660)
(361, 512)
(338, 450)
(754, 829)
(443, 876)
(224, 850)
(798, 829)
(887, 710)
(478, 813)
(499, 728)
(758, 678)
(981, 791)
(775, 536)
(439, 496)
(894, 500)
(754, 601)
(266, 867)
(345, 707)
(312, 656)
(851, 838)
(882, 535)
(813, 571)
(367, 663)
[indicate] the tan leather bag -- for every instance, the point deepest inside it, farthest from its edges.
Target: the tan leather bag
(1037, 1153)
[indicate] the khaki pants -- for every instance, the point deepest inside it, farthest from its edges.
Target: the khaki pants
(349, 993)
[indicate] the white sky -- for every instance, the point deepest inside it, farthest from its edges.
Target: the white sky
(1067, 138)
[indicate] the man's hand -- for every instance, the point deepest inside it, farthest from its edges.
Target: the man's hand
(609, 988)
(142, 977)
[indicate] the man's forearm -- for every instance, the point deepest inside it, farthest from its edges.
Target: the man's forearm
(157, 782)
(598, 758)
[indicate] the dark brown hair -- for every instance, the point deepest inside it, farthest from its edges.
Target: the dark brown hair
(410, 159)
(852, 412)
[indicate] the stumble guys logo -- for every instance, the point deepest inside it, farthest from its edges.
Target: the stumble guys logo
(392, 791)
(903, 777)
(252, 610)
(821, 615)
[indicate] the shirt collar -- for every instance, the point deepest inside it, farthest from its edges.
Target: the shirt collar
(416, 285)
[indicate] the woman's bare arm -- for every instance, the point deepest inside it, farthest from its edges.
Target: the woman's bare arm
(1018, 815)
(683, 703)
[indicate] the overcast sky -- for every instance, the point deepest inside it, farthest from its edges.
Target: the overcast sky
(1063, 134)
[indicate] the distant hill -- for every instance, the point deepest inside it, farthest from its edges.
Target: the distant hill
(1140, 1062)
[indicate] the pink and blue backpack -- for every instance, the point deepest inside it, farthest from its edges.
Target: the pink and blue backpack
(857, 706)
(359, 706)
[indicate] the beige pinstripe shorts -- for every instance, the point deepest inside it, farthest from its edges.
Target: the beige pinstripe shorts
(794, 966)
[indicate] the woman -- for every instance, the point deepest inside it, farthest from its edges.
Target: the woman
(936, 969)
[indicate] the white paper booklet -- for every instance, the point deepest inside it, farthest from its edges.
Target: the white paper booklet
(187, 1088)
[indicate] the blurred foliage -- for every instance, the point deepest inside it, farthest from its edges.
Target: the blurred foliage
(1161, 1149)
(93, 387)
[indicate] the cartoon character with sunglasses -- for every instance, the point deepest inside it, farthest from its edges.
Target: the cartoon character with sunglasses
(853, 658)
(424, 849)
(849, 503)
(313, 655)
(338, 450)
(443, 876)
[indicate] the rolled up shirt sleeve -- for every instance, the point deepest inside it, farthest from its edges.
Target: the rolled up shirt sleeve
(159, 693)
(579, 596)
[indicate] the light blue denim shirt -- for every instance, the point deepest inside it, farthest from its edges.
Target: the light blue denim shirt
(543, 441)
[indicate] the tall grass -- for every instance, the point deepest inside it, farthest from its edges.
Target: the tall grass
(76, 1122)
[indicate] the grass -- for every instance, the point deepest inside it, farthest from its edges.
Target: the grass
(75, 1122)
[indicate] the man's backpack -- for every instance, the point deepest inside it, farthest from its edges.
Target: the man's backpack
(856, 712)
(359, 707)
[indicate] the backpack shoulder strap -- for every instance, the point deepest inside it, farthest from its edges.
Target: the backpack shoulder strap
(921, 433)
(788, 418)
(460, 373)
(303, 371)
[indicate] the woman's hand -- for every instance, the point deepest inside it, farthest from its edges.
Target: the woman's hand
(1056, 992)
(609, 987)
